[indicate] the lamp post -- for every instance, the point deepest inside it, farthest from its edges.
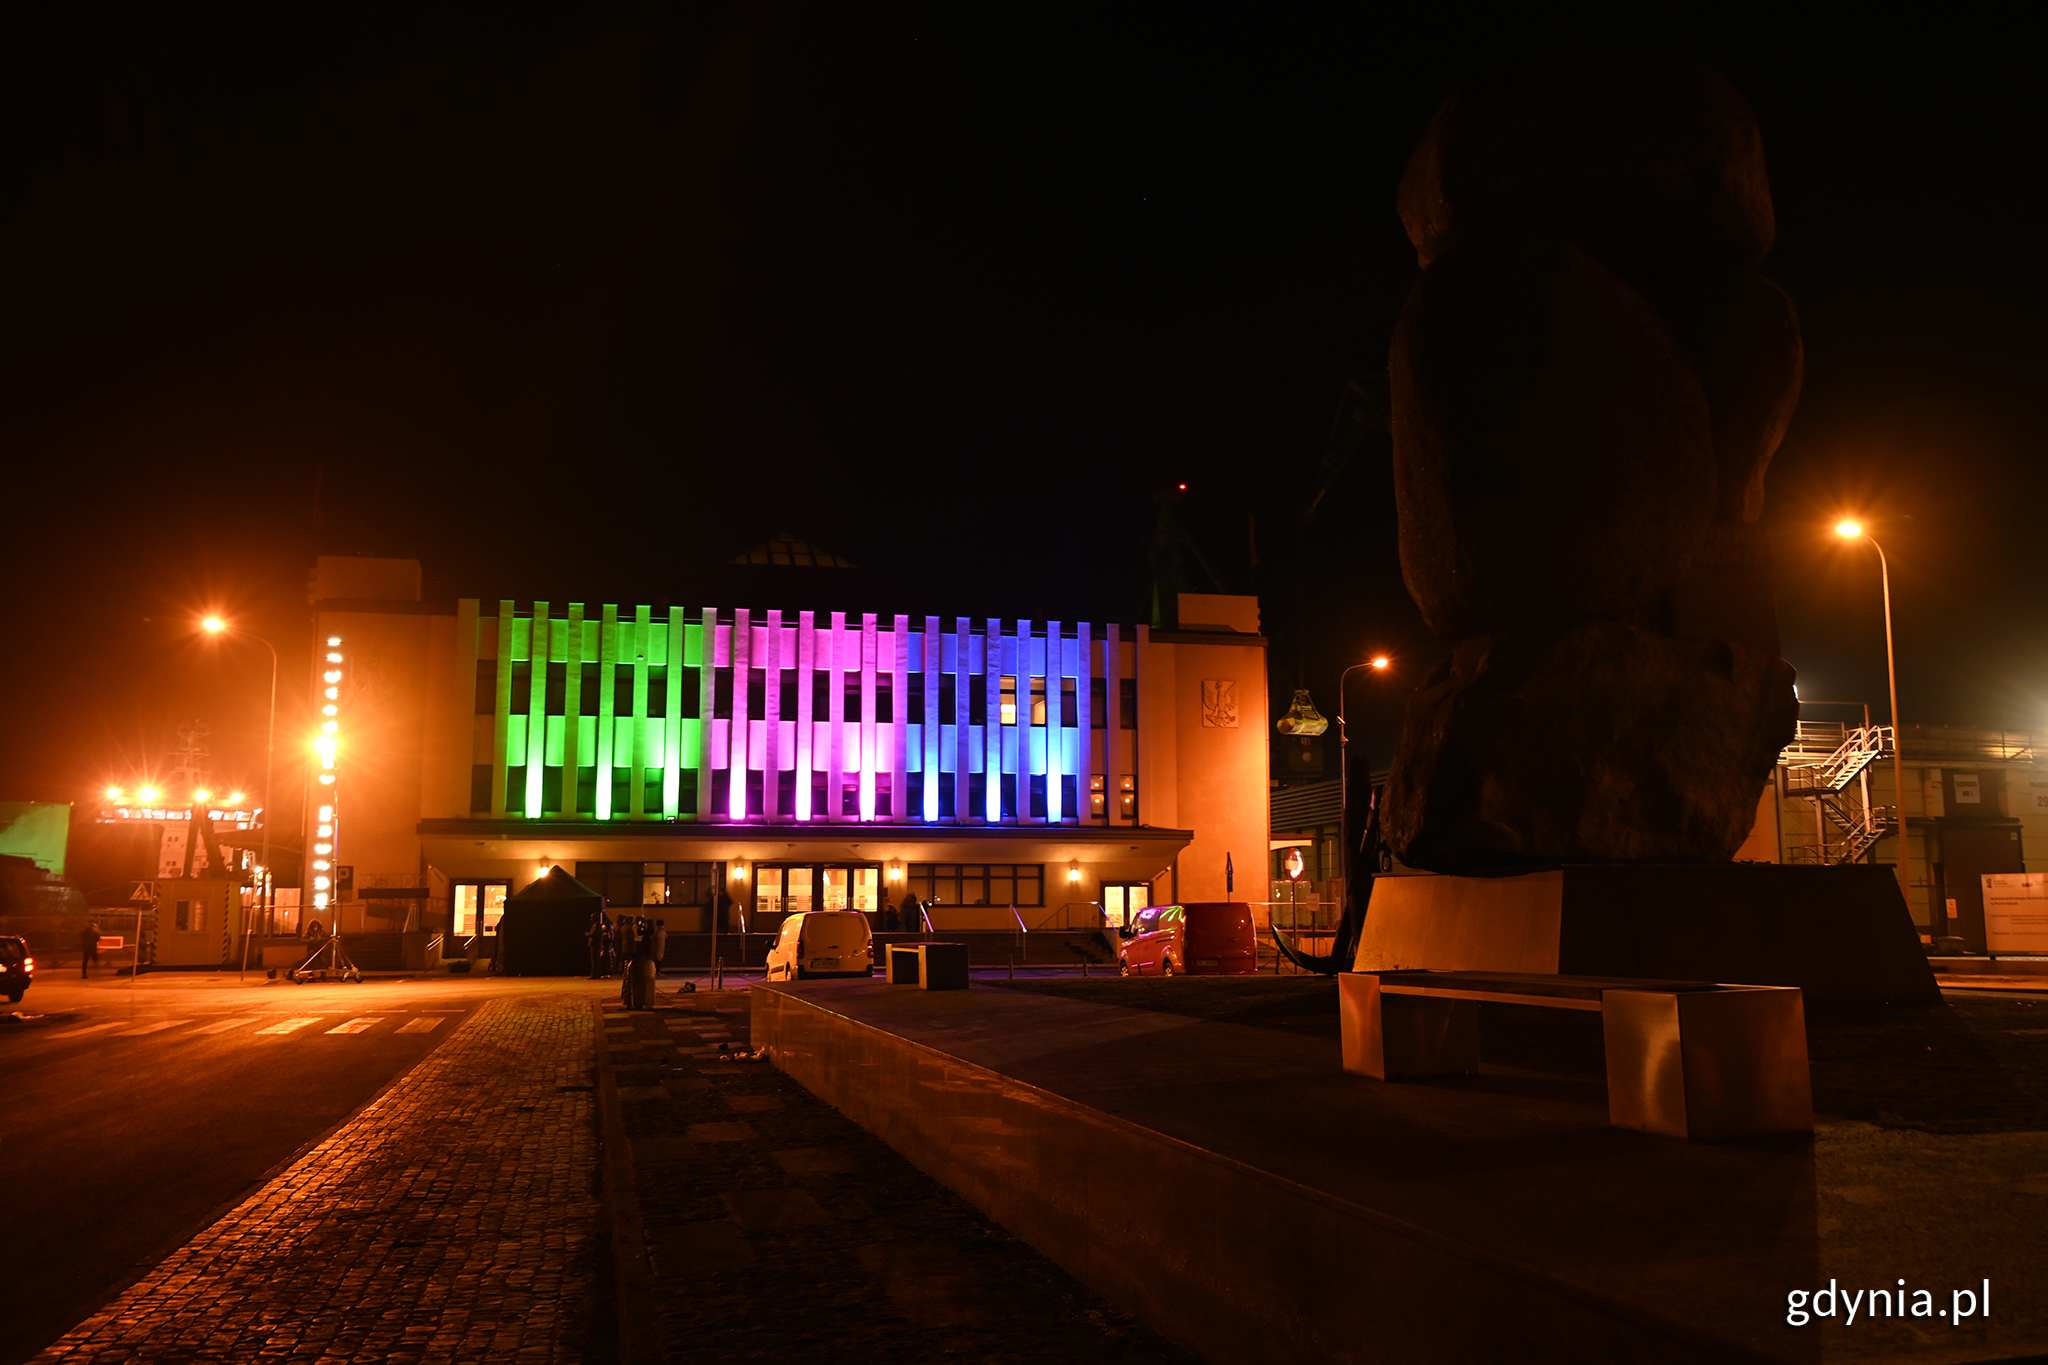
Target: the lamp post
(1378, 663)
(214, 625)
(1853, 530)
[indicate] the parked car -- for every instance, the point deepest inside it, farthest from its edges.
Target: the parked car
(1202, 938)
(822, 943)
(17, 968)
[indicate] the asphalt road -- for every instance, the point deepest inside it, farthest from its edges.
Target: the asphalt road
(133, 1118)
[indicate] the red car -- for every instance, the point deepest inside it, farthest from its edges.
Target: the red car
(1203, 938)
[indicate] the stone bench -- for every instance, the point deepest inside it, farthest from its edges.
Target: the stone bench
(1688, 1059)
(929, 966)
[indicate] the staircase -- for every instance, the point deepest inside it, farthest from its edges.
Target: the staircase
(1849, 827)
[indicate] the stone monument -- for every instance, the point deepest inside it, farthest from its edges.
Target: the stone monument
(1589, 381)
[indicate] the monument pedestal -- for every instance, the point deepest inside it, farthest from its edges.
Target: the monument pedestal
(1841, 934)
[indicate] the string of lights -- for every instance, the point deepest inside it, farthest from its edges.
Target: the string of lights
(327, 745)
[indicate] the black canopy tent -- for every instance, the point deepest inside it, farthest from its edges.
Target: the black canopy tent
(545, 928)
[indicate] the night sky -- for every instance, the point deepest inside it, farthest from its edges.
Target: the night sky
(581, 306)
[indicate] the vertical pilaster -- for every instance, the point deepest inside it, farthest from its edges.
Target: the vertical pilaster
(536, 709)
(736, 746)
(869, 651)
(1113, 762)
(501, 722)
(1084, 720)
(672, 728)
(707, 701)
(771, 721)
(572, 712)
(607, 731)
(934, 662)
(963, 655)
(1055, 721)
(835, 721)
(898, 661)
(806, 737)
(992, 731)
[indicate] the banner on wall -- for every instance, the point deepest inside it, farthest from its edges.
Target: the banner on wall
(2016, 912)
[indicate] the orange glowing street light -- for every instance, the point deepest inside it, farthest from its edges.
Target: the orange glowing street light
(1851, 529)
(1380, 661)
(215, 625)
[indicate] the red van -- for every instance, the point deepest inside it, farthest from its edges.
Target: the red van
(1204, 938)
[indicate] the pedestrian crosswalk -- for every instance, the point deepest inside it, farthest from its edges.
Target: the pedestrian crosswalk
(270, 1025)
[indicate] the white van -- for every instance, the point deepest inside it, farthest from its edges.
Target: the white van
(820, 943)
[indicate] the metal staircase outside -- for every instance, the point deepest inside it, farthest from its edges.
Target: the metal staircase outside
(1857, 751)
(1847, 826)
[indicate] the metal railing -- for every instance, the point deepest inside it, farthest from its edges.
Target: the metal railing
(1844, 764)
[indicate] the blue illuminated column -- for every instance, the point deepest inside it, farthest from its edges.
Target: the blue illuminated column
(1055, 758)
(992, 732)
(963, 727)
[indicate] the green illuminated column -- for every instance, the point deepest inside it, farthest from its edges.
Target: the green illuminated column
(572, 710)
(636, 785)
(501, 726)
(536, 707)
(672, 750)
(607, 652)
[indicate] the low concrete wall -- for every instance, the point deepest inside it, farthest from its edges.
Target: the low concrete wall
(1235, 1263)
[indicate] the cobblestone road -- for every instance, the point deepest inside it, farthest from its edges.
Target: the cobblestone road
(453, 1219)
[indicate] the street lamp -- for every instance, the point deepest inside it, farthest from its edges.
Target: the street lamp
(1853, 530)
(1378, 663)
(214, 625)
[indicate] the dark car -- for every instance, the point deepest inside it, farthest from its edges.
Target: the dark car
(17, 968)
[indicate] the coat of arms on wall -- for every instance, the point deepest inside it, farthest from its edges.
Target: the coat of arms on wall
(1219, 703)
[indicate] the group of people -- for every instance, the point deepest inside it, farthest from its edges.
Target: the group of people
(615, 943)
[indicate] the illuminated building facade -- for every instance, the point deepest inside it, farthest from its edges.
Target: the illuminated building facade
(1016, 771)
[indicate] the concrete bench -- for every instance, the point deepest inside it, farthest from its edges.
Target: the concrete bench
(929, 966)
(1688, 1059)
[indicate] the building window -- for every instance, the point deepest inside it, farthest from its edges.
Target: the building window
(1097, 795)
(625, 885)
(1019, 884)
(1127, 788)
(557, 689)
(478, 906)
(1069, 712)
(487, 687)
(1038, 701)
(1009, 701)
(1127, 690)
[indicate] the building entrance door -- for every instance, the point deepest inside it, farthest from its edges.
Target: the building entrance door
(1967, 853)
(1123, 900)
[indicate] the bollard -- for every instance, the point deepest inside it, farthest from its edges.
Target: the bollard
(1013, 969)
(1084, 967)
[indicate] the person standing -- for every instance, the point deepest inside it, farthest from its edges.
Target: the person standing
(89, 941)
(660, 944)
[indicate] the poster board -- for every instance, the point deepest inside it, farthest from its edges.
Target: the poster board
(2016, 913)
